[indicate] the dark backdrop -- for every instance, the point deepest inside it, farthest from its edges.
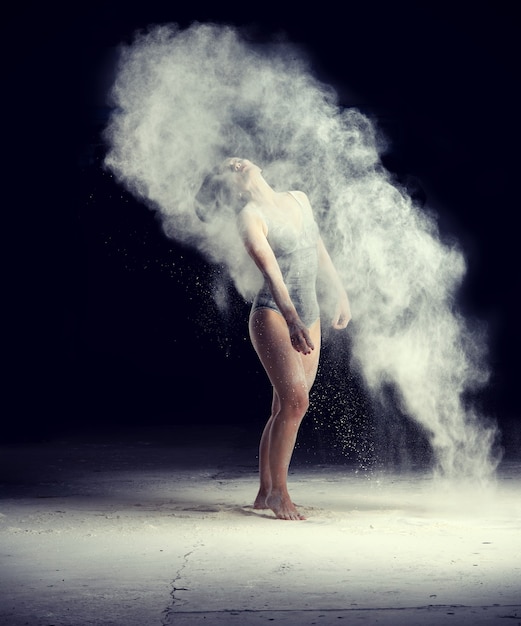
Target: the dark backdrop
(105, 323)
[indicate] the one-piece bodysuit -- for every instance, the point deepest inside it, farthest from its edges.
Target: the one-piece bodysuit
(297, 256)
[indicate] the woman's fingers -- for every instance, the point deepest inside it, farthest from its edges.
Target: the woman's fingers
(341, 319)
(340, 323)
(302, 342)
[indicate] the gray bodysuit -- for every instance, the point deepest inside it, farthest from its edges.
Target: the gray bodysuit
(297, 256)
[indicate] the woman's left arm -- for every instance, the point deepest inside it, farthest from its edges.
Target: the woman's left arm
(342, 315)
(342, 311)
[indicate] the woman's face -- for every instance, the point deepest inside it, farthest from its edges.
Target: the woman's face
(241, 170)
(237, 165)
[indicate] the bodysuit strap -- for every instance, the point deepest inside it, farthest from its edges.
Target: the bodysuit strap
(291, 193)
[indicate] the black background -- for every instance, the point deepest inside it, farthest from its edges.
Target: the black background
(106, 322)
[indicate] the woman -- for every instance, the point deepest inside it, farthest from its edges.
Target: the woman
(281, 236)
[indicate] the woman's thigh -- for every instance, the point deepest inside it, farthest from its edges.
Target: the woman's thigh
(310, 361)
(289, 371)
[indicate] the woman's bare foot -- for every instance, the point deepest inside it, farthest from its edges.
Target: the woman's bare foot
(283, 507)
(260, 500)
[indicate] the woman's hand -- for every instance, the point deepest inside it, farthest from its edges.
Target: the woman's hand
(342, 315)
(300, 337)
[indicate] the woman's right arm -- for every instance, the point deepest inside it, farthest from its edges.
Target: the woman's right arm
(254, 233)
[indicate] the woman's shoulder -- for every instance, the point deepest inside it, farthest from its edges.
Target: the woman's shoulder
(251, 212)
(301, 197)
(251, 216)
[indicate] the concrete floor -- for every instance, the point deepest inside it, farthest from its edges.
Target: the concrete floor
(157, 530)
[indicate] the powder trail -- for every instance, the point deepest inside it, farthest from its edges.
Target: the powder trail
(185, 99)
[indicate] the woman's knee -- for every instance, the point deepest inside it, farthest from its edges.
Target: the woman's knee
(295, 405)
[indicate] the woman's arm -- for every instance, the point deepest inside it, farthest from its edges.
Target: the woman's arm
(253, 230)
(342, 315)
(342, 309)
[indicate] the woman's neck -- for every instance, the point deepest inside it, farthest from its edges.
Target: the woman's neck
(260, 191)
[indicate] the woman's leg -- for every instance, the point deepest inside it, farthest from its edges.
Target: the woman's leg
(291, 374)
(264, 465)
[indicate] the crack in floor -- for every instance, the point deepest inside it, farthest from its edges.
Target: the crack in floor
(169, 611)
